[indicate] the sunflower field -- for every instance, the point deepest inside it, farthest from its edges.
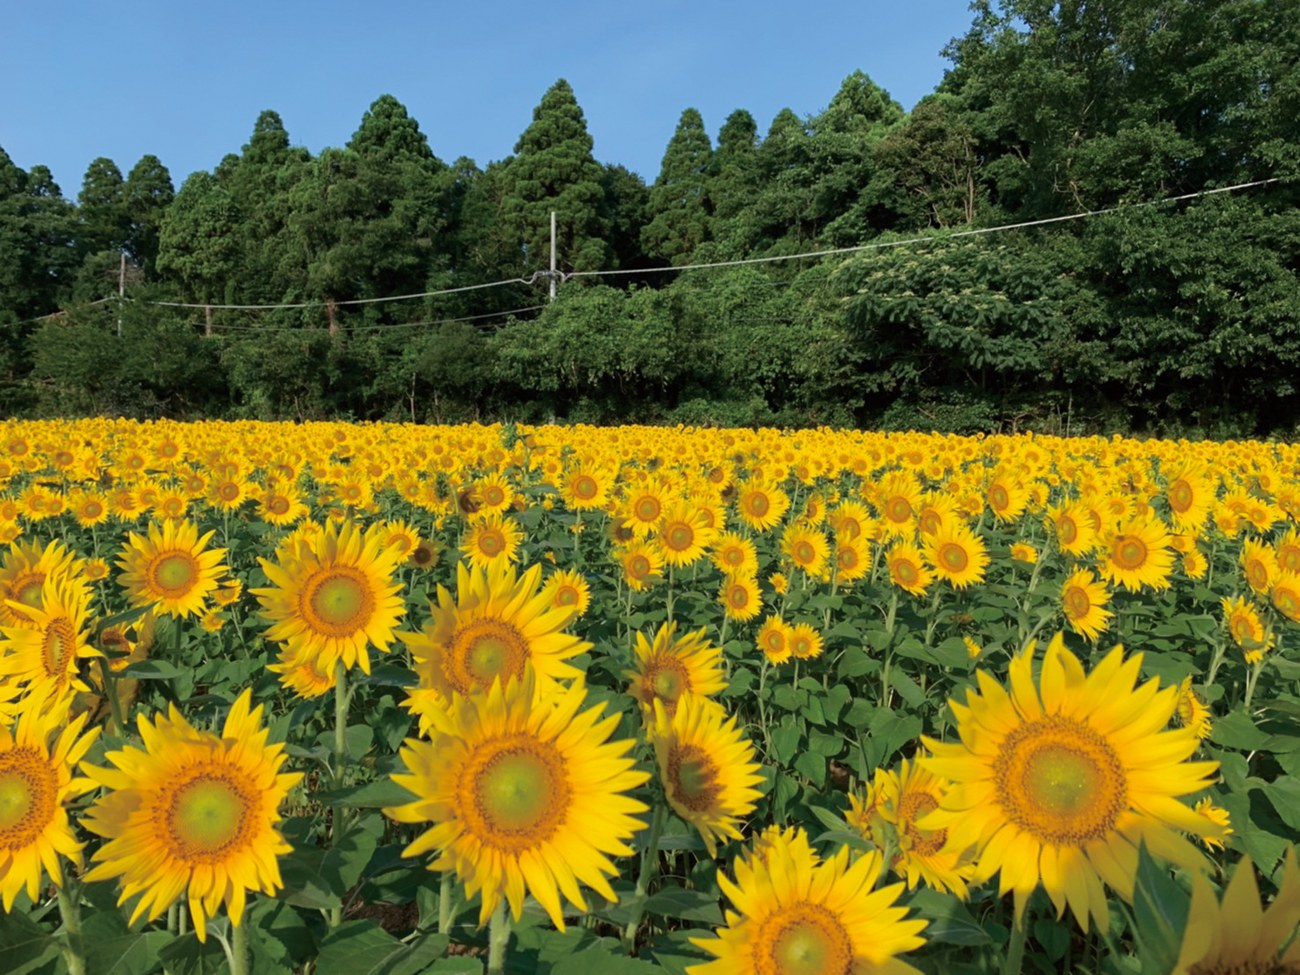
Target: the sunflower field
(339, 698)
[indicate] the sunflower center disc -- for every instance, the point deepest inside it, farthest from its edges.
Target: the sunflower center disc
(695, 776)
(1130, 552)
(1180, 496)
(1068, 531)
(208, 815)
(27, 590)
(174, 573)
(758, 504)
(680, 537)
(516, 791)
(60, 638)
(1077, 603)
(341, 602)
(489, 649)
(667, 681)
(805, 939)
(953, 557)
(15, 799)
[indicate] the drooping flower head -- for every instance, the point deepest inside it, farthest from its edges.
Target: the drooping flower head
(332, 594)
(707, 767)
(192, 814)
(524, 793)
(1058, 782)
(792, 915)
(905, 798)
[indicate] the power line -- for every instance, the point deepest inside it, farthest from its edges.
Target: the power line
(369, 328)
(340, 304)
(879, 245)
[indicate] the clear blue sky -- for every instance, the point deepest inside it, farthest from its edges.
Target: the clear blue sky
(185, 81)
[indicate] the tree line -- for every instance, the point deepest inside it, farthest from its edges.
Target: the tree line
(1181, 318)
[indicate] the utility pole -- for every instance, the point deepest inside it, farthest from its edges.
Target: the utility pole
(552, 275)
(121, 291)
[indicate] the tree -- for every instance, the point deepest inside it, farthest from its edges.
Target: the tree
(37, 236)
(198, 244)
(678, 205)
(932, 160)
(149, 192)
(103, 210)
(553, 169)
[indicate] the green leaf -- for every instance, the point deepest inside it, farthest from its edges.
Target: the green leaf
(907, 688)
(785, 740)
(1160, 909)
(891, 730)
(812, 766)
(454, 964)
(372, 795)
(859, 714)
(151, 670)
(689, 905)
(187, 955)
(25, 946)
(113, 949)
(1236, 730)
(854, 663)
(1284, 793)
(845, 838)
(364, 948)
(602, 961)
(950, 922)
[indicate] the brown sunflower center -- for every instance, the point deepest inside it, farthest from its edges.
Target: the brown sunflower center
(647, 509)
(905, 571)
(585, 487)
(639, 567)
(277, 504)
(667, 678)
(693, 777)
(208, 814)
(1067, 529)
(1076, 602)
(758, 504)
(952, 556)
(28, 793)
(337, 601)
(914, 806)
(804, 552)
(484, 650)
(1128, 552)
(999, 498)
(678, 536)
(803, 939)
(514, 793)
(491, 542)
(1257, 574)
(1060, 781)
(1181, 496)
(738, 595)
(27, 589)
(567, 595)
(59, 643)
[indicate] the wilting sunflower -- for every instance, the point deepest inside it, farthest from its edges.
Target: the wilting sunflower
(1083, 600)
(332, 595)
(669, 666)
(907, 570)
(1137, 554)
(492, 539)
(706, 766)
(45, 652)
(171, 568)
(1234, 936)
(1059, 782)
(524, 793)
(192, 814)
(774, 639)
(740, 597)
(494, 626)
(35, 782)
(1247, 629)
(795, 916)
(904, 798)
(568, 590)
(957, 555)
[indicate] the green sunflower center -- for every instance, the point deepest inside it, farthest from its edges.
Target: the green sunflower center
(28, 788)
(484, 650)
(515, 792)
(208, 814)
(174, 574)
(339, 601)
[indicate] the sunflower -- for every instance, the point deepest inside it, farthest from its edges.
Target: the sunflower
(1083, 600)
(333, 594)
(1075, 531)
(1006, 497)
(307, 677)
(740, 597)
(793, 915)
(805, 642)
(683, 535)
(644, 509)
(524, 793)
(568, 590)
(227, 493)
(23, 576)
(706, 766)
(492, 539)
(1258, 565)
(642, 564)
(850, 520)
(1246, 628)
(1285, 596)
(760, 506)
(904, 798)
(585, 488)
(851, 561)
(281, 506)
(734, 555)
(907, 569)
(35, 783)
(424, 555)
(1195, 565)
(1059, 782)
(669, 666)
(170, 569)
(1137, 555)
(1236, 937)
(1190, 495)
(1191, 711)
(1287, 552)
(957, 554)
(497, 623)
(44, 653)
(1024, 553)
(192, 814)
(494, 495)
(89, 508)
(774, 639)
(805, 546)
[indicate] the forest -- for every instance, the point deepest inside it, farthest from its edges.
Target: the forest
(1160, 142)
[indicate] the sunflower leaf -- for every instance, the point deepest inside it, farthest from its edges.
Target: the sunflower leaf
(1160, 908)
(689, 905)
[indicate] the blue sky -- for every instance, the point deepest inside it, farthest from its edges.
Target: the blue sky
(185, 81)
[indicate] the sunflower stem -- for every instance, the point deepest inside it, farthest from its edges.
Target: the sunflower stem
(70, 911)
(649, 867)
(340, 760)
(1015, 958)
(238, 949)
(445, 893)
(498, 937)
(110, 692)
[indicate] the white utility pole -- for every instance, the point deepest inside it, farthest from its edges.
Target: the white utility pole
(552, 298)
